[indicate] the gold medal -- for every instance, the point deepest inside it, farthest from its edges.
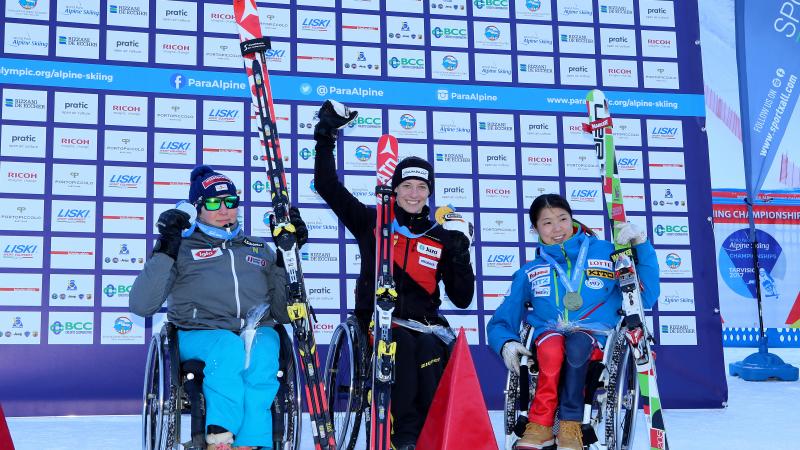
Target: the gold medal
(573, 301)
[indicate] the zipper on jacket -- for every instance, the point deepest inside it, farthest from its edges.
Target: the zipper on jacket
(235, 283)
(566, 258)
(194, 313)
(405, 264)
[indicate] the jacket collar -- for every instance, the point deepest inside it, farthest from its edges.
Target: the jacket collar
(417, 223)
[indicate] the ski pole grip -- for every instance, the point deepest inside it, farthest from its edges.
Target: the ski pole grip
(255, 45)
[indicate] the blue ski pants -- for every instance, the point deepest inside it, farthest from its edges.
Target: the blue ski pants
(238, 400)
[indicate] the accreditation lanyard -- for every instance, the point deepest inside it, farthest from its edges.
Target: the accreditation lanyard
(571, 283)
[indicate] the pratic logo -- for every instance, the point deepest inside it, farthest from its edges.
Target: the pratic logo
(176, 13)
(660, 14)
(363, 153)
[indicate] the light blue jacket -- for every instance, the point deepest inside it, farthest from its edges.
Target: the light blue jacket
(538, 284)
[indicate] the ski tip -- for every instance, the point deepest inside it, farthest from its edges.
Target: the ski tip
(387, 141)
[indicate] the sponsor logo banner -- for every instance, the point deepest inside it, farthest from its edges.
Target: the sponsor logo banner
(20, 327)
(70, 327)
(20, 214)
(23, 141)
(26, 39)
(72, 253)
(121, 328)
(73, 216)
(20, 289)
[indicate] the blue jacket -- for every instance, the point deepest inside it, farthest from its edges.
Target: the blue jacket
(537, 283)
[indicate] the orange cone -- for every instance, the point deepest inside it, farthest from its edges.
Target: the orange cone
(5, 435)
(458, 418)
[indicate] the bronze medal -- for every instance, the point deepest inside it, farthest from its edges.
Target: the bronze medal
(573, 301)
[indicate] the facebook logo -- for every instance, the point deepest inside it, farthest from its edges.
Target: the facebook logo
(177, 80)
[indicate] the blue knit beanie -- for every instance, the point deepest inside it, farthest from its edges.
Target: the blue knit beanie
(206, 183)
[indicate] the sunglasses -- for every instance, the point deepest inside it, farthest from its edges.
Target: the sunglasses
(215, 203)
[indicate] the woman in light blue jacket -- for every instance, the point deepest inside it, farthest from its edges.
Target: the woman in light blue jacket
(574, 298)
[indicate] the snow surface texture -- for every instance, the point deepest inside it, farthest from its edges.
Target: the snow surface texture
(758, 416)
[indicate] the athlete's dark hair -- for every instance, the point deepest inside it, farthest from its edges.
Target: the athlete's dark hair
(553, 201)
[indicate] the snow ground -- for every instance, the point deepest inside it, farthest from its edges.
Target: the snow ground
(759, 415)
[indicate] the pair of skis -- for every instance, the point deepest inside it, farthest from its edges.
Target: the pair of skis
(624, 258)
(254, 46)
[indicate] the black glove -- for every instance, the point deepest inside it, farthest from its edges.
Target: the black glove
(300, 230)
(170, 225)
(332, 117)
(457, 246)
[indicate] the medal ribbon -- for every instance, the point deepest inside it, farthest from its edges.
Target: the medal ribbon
(571, 284)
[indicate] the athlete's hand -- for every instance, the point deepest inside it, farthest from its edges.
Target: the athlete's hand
(629, 234)
(300, 230)
(170, 225)
(332, 117)
(512, 353)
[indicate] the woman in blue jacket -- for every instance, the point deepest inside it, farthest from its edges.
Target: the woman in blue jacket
(575, 297)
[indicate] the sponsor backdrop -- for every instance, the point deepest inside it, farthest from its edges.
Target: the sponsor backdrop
(107, 105)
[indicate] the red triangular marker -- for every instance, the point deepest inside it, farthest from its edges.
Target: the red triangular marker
(793, 319)
(5, 435)
(458, 418)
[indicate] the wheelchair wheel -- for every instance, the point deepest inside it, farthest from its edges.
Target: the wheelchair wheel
(287, 407)
(161, 397)
(622, 396)
(518, 394)
(345, 381)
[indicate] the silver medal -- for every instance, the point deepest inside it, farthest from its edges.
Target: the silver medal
(573, 301)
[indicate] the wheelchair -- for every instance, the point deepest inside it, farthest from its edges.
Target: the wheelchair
(172, 389)
(348, 377)
(611, 398)
(348, 380)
